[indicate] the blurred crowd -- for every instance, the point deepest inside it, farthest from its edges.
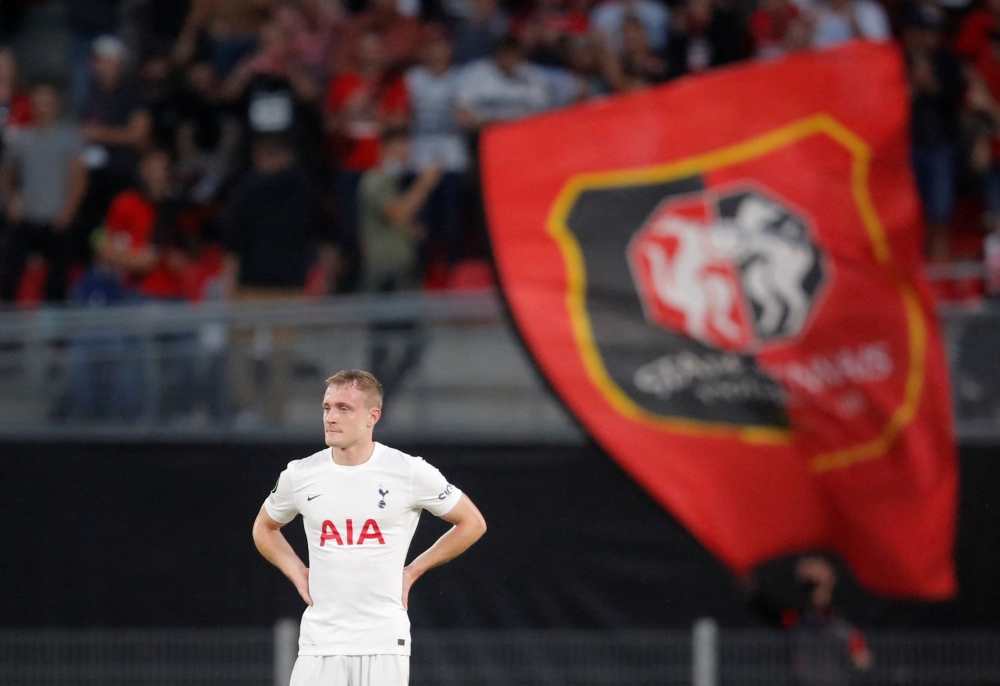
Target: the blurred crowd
(189, 149)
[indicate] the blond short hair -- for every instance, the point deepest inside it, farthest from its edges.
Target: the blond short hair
(364, 381)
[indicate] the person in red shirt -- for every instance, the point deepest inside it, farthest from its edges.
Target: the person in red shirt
(974, 33)
(138, 257)
(360, 104)
(137, 241)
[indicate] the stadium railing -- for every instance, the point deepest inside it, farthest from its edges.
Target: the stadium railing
(255, 371)
(221, 657)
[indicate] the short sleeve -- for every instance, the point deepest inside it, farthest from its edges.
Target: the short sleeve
(280, 505)
(431, 491)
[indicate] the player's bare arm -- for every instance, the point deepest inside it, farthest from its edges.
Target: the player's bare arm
(469, 526)
(275, 548)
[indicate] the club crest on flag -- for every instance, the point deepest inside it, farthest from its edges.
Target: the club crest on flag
(732, 270)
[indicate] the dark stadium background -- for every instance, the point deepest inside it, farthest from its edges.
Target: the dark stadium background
(157, 535)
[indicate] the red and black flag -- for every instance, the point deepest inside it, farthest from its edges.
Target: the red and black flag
(722, 280)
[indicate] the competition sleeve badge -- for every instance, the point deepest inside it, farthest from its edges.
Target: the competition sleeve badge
(729, 299)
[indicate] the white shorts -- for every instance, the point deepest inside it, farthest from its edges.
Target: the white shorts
(351, 670)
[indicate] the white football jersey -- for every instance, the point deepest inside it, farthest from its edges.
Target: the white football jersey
(359, 522)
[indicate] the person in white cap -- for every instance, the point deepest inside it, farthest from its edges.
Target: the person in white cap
(116, 127)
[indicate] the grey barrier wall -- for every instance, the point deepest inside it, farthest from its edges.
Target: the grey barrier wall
(453, 366)
(496, 658)
(453, 371)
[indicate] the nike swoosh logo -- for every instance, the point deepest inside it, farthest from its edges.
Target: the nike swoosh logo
(312, 497)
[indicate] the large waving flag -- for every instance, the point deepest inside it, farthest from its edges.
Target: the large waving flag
(721, 278)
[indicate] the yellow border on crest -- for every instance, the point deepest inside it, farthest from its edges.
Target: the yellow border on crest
(755, 147)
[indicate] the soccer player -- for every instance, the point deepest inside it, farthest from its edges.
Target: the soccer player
(360, 502)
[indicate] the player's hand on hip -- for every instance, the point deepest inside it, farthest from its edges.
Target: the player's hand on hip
(301, 581)
(409, 576)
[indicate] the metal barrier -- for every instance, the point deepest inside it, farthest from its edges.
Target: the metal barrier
(453, 368)
(527, 658)
(220, 371)
(232, 657)
(972, 337)
(137, 657)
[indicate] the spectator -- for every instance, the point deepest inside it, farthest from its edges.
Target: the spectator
(390, 240)
(609, 18)
(138, 258)
(141, 244)
(206, 139)
(161, 93)
(503, 88)
(640, 66)
(229, 29)
(545, 28)
(826, 647)
(359, 104)
(274, 94)
(543, 45)
(974, 32)
(15, 106)
(400, 36)
(936, 90)
(116, 128)
(704, 34)
(438, 141)
(275, 234)
(187, 120)
(273, 225)
(984, 101)
(86, 20)
(593, 65)
(42, 179)
(838, 21)
(777, 27)
(389, 234)
(558, 17)
(474, 36)
(311, 28)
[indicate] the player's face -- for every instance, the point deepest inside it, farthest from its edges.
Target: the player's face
(346, 420)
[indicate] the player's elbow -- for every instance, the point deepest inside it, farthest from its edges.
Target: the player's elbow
(259, 532)
(478, 525)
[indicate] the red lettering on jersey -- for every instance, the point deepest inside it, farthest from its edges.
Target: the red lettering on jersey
(375, 533)
(350, 532)
(330, 533)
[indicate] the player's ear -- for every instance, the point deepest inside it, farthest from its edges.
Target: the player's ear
(373, 416)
